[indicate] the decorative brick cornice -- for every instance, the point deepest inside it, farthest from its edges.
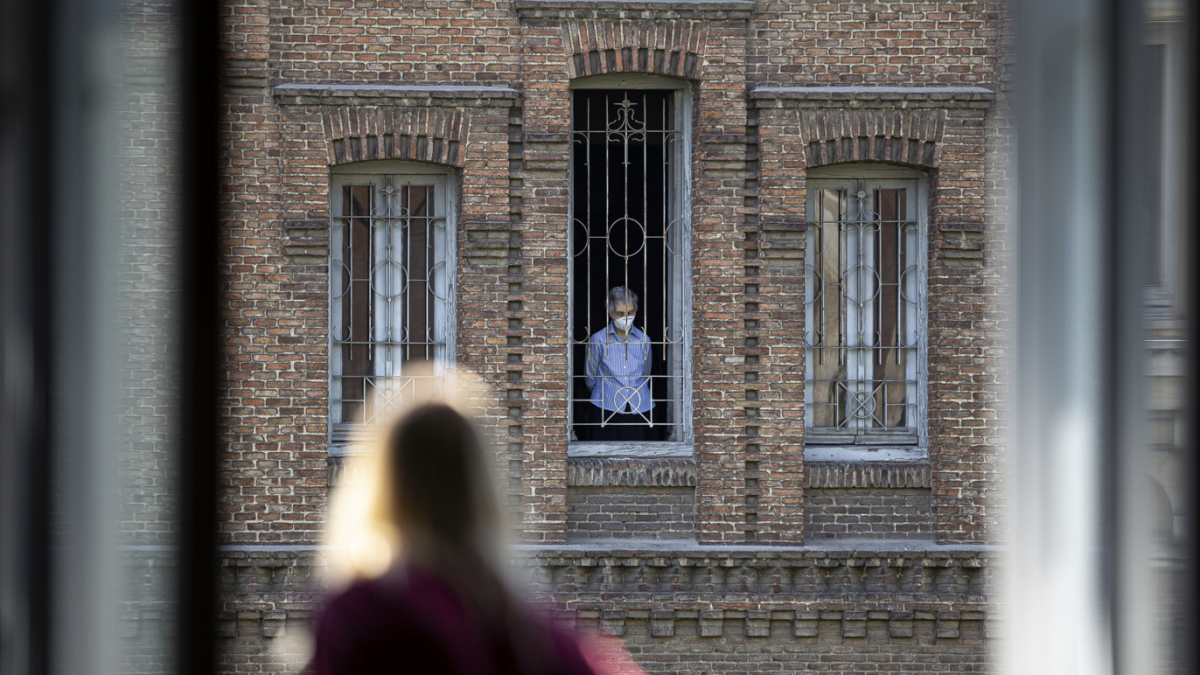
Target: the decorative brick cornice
(829, 475)
(631, 472)
(710, 10)
(403, 95)
(831, 136)
(924, 591)
(674, 48)
(877, 97)
(835, 623)
(355, 134)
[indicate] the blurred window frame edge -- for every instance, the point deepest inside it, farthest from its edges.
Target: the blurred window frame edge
(1171, 331)
(1190, 593)
(60, 589)
(1167, 293)
(26, 45)
(1088, 55)
(1165, 29)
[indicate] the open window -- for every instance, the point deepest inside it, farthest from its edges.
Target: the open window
(630, 230)
(865, 308)
(391, 292)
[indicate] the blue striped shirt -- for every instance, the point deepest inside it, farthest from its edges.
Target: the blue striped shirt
(620, 368)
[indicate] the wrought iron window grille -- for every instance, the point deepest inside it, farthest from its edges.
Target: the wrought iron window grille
(629, 230)
(391, 297)
(864, 313)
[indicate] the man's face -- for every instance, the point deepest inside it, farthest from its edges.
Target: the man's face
(621, 310)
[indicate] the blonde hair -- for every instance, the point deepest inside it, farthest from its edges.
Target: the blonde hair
(378, 518)
(425, 496)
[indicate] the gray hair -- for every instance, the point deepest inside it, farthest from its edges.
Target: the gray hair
(622, 294)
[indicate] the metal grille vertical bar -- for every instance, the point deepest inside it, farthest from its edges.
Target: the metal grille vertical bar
(587, 214)
(666, 240)
(405, 216)
(607, 212)
(431, 273)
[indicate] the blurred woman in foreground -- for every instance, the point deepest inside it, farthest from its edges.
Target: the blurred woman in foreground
(436, 602)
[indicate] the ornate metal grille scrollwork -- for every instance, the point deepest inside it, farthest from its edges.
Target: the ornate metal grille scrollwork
(390, 287)
(863, 321)
(628, 230)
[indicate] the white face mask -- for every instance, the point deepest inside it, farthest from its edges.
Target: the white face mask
(624, 323)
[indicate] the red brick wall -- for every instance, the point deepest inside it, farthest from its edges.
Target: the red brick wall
(868, 514)
(902, 43)
(748, 164)
(631, 513)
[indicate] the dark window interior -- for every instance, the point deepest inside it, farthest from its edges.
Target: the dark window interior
(620, 200)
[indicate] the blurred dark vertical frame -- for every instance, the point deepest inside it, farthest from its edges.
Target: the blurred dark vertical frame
(1191, 594)
(200, 356)
(60, 572)
(1082, 594)
(26, 308)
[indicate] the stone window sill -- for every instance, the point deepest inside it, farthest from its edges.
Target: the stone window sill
(869, 454)
(650, 449)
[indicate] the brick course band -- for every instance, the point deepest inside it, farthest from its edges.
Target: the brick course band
(712, 10)
(403, 95)
(901, 625)
(832, 475)
(938, 593)
(674, 48)
(941, 97)
(769, 577)
(607, 471)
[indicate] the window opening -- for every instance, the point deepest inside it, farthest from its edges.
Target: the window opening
(863, 305)
(390, 283)
(627, 241)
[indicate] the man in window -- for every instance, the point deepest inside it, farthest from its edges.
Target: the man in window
(618, 369)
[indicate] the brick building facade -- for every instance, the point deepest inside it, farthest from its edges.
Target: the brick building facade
(746, 545)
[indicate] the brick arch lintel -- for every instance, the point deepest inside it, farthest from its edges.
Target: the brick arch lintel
(672, 48)
(428, 134)
(907, 137)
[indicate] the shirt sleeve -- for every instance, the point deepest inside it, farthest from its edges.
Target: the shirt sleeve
(592, 368)
(647, 361)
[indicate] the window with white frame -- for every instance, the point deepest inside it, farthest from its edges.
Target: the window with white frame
(865, 307)
(630, 282)
(391, 291)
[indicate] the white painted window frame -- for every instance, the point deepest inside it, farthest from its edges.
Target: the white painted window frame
(351, 439)
(681, 278)
(888, 446)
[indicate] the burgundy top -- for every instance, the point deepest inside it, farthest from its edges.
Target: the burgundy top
(417, 624)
